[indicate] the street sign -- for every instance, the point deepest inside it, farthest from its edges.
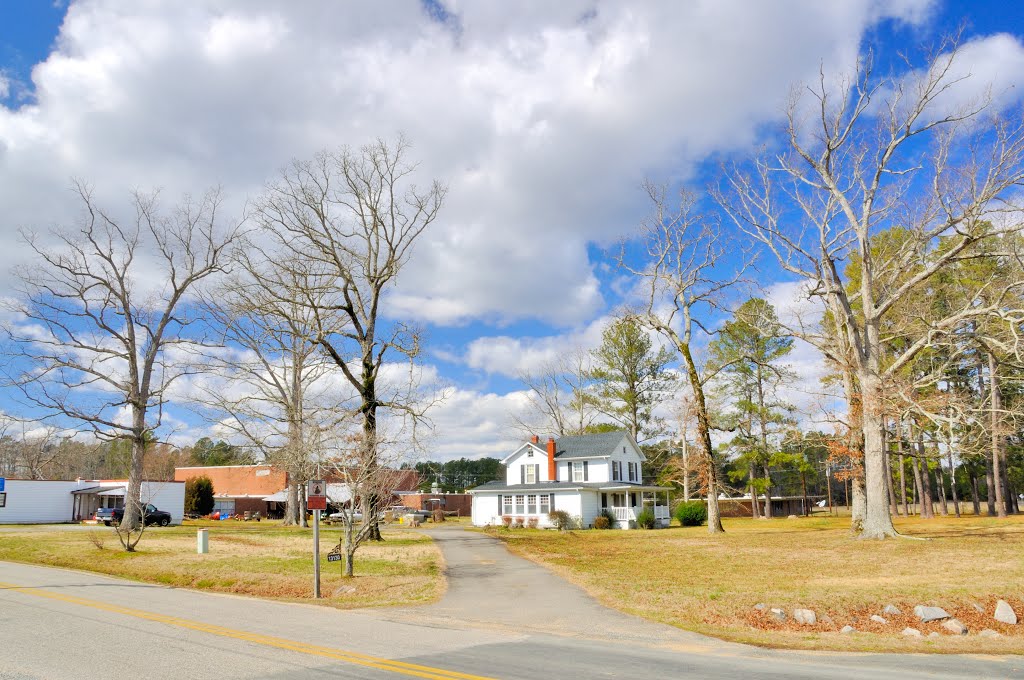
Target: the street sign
(1, 483)
(316, 494)
(333, 557)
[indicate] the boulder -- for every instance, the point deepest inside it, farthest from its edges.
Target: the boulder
(878, 619)
(850, 629)
(778, 614)
(1004, 613)
(792, 517)
(760, 606)
(911, 632)
(891, 609)
(978, 608)
(955, 627)
(805, 617)
(927, 614)
(826, 619)
(989, 633)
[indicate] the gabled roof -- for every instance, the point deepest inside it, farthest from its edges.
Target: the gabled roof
(599, 444)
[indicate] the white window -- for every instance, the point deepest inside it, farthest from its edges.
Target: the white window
(631, 478)
(531, 504)
(529, 453)
(577, 471)
(531, 474)
(507, 505)
(544, 504)
(520, 505)
(616, 473)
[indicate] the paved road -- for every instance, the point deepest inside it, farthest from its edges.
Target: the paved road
(503, 617)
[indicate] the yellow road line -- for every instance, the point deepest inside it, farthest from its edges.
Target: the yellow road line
(266, 640)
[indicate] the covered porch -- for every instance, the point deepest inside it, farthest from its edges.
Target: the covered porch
(626, 502)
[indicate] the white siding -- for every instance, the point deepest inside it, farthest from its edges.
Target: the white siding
(486, 510)
(630, 455)
(569, 502)
(588, 507)
(38, 502)
(513, 475)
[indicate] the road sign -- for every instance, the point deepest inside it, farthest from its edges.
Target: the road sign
(333, 557)
(316, 494)
(1, 483)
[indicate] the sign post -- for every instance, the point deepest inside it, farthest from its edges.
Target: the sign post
(316, 500)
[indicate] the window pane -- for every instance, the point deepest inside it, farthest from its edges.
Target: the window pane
(507, 505)
(519, 504)
(531, 504)
(544, 504)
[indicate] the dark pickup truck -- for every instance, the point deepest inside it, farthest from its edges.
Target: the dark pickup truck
(149, 512)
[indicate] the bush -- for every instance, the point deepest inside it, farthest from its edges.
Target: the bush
(506, 520)
(532, 522)
(198, 496)
(610, 516)
(645, 520)
(561, 519)
(692, 513)
(519, 522)
(601, 522)
(437, 515)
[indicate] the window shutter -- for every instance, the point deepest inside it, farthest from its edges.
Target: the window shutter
(501, 506)
(522, 474)
(585, 475)
(536, 472)
(551, 506)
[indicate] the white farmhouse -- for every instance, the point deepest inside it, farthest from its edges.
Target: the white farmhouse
(582, 475)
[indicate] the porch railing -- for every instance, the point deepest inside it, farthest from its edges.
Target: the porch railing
(623, 514)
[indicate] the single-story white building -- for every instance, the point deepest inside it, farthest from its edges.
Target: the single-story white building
(584, 475)
(36, 501)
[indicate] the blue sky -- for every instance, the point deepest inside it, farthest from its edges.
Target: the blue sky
(542, 118)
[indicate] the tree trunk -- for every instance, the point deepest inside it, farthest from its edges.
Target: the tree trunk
(858, 510)
(915, 463)
(940, 481)
(803, 487)
(755, 511)
(132, 518)
(903, 479)
(927, 510)
(893, 506)
(997, 436)
(952, 472)
(686, 469)
(975, 500)
(769, 512)
(704, 437)
(291, 507)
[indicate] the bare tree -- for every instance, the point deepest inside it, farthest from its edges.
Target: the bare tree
(268, 383)
(873, 154)
(683, 279)
(98, 313)
(357, 215)
(561, 399)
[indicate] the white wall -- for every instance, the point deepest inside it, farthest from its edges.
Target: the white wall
(39, 502)
(523, 457)
(166, 496)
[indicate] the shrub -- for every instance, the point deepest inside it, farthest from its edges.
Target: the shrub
(610, 516)
(601, 522)
(438, 515)
(561, 519)
(645, 520)
(519, 522)
(506, 520)
(199, 496)
(692, 513)
(532, 522)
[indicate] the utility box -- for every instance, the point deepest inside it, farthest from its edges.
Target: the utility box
(203, 541)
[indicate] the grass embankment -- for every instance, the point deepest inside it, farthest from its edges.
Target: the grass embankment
(710, 584)
(263, 559)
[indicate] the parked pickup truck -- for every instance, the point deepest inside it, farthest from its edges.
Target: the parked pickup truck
(149, 512)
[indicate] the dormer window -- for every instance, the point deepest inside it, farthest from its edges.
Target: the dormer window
(529, 453)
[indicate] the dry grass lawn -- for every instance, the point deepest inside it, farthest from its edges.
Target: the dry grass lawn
(262, 559)
(710, 584)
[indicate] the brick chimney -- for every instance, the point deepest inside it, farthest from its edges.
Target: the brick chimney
(535, 439)
(552, 468)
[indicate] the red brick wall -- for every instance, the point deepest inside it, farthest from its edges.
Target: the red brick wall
(238, 480)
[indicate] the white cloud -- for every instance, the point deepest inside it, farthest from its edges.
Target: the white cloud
(542, 118)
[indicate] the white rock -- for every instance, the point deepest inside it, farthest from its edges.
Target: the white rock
(878, 619)
(978, 608)
(989, 633)
(933, 634)
(779, 614)
(927, 614)
(955, 627)
(805, 616)
(891, 609)
(911, 632)
(851, 629)
(760, 606)
(1004, 613)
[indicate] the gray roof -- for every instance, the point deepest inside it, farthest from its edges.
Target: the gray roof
(588, 445)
